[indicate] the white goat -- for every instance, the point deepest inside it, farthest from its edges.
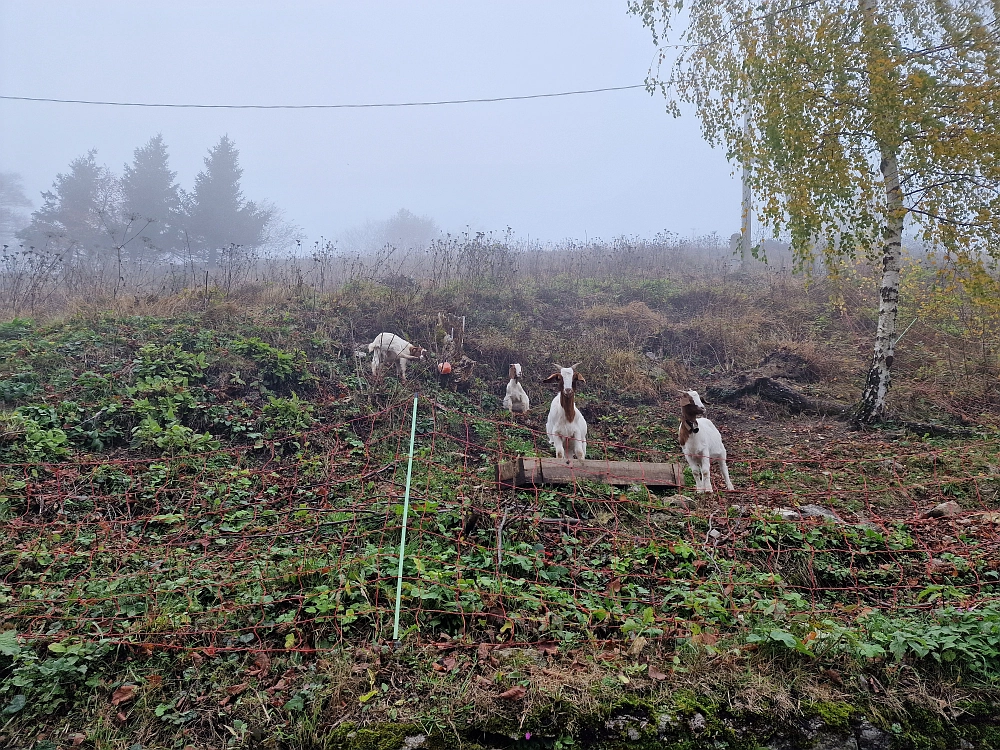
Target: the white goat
(516, 400)
(700, 440)
(566, 427)
(389, 347)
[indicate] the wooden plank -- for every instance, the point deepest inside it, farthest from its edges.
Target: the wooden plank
(531, 470)
(511, 472)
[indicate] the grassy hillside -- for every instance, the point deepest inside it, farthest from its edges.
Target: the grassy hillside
(201, 499)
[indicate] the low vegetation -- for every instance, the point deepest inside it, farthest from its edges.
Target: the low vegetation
(201, 500)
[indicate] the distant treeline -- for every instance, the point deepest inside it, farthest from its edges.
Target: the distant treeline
(143, 216)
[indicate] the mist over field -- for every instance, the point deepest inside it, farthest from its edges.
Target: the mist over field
(605, 164)
(417, 376)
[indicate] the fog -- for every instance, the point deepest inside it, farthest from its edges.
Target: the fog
(603, 165)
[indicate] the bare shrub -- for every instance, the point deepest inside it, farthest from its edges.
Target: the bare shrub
(29, 279)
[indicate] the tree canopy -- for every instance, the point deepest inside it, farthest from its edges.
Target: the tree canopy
(75, 211)
(151, 196)
(217, 214)
(859, 117)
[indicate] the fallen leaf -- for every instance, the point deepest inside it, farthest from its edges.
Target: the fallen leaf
(637, 645)
(483, 652)
(656, 674)
(77, 739)
(263, 662)
(484, 681)
(705, 639)
(237, 689)
(514, 694)
(124, 693)
(154, 680)
(121, 716)
(548, 649)
(834, 677)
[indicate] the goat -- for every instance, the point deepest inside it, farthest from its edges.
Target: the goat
(700, 440)
(516, 400)
(566, 427)
(389, 347)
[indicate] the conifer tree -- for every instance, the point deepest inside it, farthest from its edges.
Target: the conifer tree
(217, 214)
(151, 198)
(75, 215)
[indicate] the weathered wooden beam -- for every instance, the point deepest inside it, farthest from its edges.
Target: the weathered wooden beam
(535, 471)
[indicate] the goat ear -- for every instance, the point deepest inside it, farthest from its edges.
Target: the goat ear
(553, 378)
(578, 377)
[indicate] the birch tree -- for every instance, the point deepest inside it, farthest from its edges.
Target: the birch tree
(862, 116)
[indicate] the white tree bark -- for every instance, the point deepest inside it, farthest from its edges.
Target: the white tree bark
(873, 398)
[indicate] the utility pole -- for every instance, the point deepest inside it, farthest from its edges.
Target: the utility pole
(745, 226)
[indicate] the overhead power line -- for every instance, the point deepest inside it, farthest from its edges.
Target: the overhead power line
(370, 105)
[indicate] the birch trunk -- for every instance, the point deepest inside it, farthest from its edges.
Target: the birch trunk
(873, 398)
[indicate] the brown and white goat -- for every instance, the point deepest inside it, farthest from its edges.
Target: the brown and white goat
(701, 441)
(566, 427)
(516, 401)
(389, 347)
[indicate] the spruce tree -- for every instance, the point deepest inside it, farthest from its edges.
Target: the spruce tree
(217, 214)
(151, 199)
(76, 214)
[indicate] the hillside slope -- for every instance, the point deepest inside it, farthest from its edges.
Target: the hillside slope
(201, 504)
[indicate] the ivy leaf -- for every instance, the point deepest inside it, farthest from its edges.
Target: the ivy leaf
(783, 636)
(18, 702)
(8, 643)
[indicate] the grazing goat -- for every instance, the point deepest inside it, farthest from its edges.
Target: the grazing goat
(389, 347)
(700, 440)
(516, 400)
(566, 427)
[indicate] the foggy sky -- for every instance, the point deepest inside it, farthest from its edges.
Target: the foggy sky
(594, 165)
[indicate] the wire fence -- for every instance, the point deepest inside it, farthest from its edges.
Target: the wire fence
(292, 545)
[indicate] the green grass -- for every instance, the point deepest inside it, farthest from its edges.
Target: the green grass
(182, 502)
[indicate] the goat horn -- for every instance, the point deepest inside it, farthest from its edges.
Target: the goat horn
(576, 365)
(558, 367)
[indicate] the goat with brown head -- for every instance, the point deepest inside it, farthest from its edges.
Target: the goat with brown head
(690, 411)
(388, 347)
(566, 427)
(700, 441)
